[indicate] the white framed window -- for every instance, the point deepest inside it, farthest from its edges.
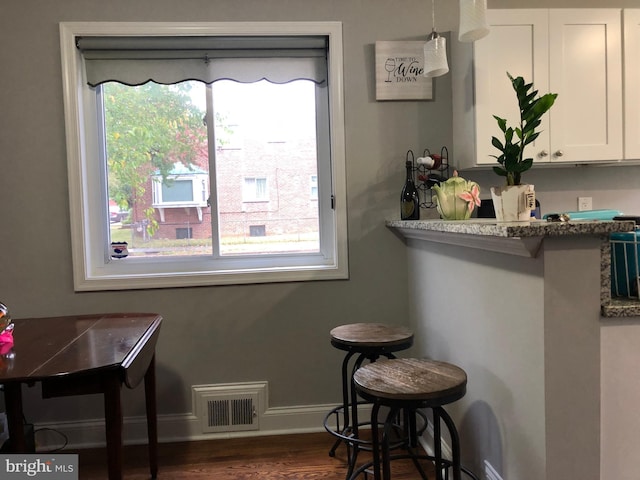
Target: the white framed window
(180, 190)
(254, 189)
(170, 169)
(314, 187)
(181, 187)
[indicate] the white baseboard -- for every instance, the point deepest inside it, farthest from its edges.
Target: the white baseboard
(490, 472)
(426, 441)
(177, 428)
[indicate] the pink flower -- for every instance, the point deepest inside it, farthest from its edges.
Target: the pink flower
(472, 197)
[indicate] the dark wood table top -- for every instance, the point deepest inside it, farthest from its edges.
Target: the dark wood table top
(63, 347)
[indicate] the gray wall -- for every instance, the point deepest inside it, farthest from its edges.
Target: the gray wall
(527, 332)
(278, 332)
(464, 300)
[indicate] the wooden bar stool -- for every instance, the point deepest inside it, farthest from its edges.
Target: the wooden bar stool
(409, 384)
(366, 341)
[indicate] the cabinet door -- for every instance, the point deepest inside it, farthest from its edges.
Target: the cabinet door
(518, 44)
(632, 83)
(586, 72)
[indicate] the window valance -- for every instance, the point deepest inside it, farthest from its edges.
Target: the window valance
(169, 60)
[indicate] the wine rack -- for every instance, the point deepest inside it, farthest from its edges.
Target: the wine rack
(424, 177)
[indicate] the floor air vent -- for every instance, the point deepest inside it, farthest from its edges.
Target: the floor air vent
(229, 408)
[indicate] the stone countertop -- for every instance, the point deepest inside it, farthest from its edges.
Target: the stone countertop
(525, 239)
(534, 228)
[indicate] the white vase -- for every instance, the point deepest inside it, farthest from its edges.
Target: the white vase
(513, 203)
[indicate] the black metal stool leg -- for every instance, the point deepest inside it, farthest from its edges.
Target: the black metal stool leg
(455, 444)
(354, 396)
(437, 443)
(353, 448)
(386, 440)
(345, 402)
(375, 441)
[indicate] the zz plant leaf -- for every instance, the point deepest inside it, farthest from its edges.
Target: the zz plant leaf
(532, 108)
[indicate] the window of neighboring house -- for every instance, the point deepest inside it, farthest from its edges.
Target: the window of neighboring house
(192, 134)
(184, 233)
(254, 189)
(177, 191)
(257, 230)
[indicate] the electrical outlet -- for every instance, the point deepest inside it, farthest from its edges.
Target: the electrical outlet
(585, 203)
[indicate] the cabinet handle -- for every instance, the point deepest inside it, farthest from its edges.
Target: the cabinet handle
(559, 153)
(543, 153)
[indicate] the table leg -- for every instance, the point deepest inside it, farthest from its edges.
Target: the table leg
(152, 417)
(13, 405)
(113, 424)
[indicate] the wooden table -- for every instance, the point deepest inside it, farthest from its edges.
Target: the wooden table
(85, 354)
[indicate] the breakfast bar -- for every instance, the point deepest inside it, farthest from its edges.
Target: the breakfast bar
(525, 239)
(519, 306)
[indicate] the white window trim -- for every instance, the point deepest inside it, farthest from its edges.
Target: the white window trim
(94, 271)
(252, 196)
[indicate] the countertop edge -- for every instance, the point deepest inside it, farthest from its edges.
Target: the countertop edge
(619, 308)
(523, 239)
(533, 228)
(519, 246)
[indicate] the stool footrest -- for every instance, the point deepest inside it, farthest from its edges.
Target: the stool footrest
(367, 468)
(346, 433)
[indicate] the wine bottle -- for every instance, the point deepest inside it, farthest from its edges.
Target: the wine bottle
(409, 200)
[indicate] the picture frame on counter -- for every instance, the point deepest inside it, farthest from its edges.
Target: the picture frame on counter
(399, 71)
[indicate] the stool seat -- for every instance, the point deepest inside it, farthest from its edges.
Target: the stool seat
(429, 382)
(371, 336)
(408, 385)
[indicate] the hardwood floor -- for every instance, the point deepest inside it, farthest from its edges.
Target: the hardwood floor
(282, 457)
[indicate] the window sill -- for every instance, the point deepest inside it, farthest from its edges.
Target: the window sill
(207, 278)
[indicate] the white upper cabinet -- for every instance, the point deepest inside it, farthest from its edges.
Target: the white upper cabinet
(632, 83)
(576, 53)
(585, 69)
(518, 44)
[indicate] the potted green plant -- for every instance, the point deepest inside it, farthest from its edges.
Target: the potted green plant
(514, 201)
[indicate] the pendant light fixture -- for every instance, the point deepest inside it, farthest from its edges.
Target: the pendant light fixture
(435, 50)
(473, 20)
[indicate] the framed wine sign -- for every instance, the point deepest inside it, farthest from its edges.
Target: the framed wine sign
(399, 68)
